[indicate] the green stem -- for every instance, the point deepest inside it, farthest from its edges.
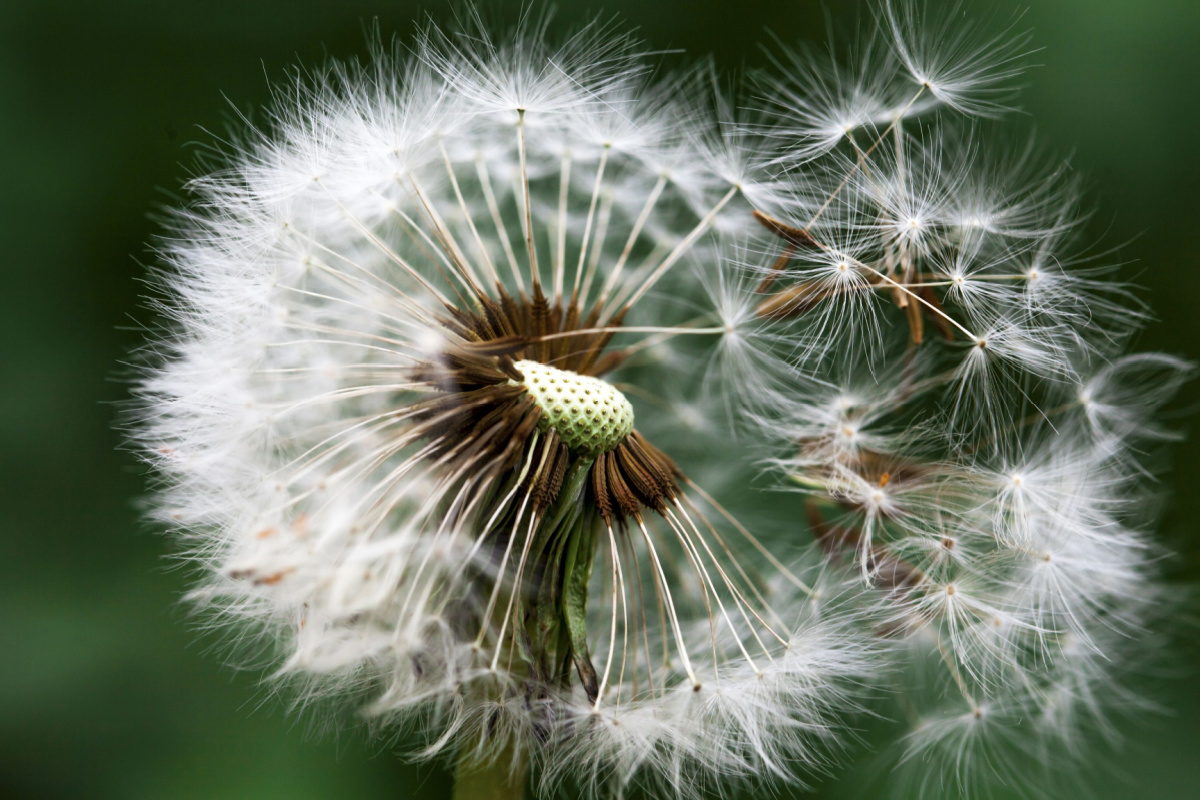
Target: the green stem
(499, 779)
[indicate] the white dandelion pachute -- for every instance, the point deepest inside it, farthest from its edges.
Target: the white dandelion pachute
(473, 350)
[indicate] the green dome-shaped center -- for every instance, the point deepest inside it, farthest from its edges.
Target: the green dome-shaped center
(589, 415)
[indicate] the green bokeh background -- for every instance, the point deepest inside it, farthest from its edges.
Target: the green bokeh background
(105, 691)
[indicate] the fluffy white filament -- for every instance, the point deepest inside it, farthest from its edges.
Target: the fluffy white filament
(847, 276)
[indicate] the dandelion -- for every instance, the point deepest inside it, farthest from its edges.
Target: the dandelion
(419, 323)
(474, 348)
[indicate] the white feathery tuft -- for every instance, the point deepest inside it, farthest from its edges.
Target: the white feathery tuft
(360, 421)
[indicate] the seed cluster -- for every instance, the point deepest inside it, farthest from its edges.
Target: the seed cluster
(589, 415)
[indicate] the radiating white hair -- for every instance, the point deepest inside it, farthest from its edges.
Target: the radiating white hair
(349, 435)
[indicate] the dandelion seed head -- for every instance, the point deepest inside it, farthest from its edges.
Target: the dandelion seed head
(407, 321)
(391, 414)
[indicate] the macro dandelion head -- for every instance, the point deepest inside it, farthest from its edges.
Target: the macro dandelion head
(397, 420)
(469, 344)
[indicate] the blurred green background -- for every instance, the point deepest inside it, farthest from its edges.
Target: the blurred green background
(105, 691)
